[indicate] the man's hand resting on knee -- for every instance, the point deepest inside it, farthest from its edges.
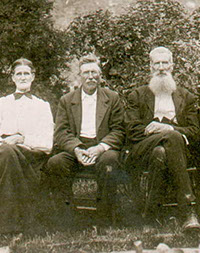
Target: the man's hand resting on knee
(84, 157)
(88, 157)
(95, 151)
(157, 127)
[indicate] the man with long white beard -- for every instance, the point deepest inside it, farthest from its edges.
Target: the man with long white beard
(161, 121)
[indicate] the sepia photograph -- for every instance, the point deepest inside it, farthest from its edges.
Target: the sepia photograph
(100, 126)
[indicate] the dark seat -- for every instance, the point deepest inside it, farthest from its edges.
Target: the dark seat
(140, 186)
(166, 202)
(85, 188)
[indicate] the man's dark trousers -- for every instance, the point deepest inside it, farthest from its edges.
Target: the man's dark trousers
(176, 161)
(64, 166)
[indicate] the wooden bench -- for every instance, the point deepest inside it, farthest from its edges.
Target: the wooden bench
(171, 200)
(85, 187)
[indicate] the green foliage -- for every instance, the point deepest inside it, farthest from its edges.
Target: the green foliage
(27, 31)
(123, 42)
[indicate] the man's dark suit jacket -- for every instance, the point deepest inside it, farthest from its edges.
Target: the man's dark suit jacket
(109, 120)
(140, 112)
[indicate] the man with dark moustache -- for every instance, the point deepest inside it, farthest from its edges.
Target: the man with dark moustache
(89, 133)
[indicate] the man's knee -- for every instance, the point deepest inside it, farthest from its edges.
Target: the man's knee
(158, 158)
(6, 150)
(60, 162)
(52, 162)
(159, 152)
(175, 137)
(108, 165)
(109, 157)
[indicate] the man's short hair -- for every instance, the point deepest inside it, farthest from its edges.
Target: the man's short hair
(160, 50)
(22, 62)
(89, 58)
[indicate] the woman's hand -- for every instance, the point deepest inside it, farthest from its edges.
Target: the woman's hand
(14, 139)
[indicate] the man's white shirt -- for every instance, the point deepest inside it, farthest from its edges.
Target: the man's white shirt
(31, 118)
(164, 107)
(88, 123)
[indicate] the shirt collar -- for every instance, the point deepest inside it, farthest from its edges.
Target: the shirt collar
(19, 94)
(19, 91)
(85, 95)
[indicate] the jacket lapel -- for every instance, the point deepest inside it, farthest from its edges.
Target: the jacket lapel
(178, 101)
(102, 106)
(176, 96)
(150, 100)
(76, 109)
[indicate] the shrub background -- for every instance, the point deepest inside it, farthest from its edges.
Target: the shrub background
(122, 42)
(27, 31)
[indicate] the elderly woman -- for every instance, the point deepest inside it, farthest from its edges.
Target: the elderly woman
(26, 136)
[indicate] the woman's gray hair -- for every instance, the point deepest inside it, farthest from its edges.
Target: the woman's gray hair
(22, 62)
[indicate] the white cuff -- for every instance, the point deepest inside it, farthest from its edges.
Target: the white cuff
(105, 146)
(186, 139)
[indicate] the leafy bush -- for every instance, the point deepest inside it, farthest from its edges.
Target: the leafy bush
(123, 42)
(27, 31)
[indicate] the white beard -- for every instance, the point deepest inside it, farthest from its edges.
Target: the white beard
(162, 84)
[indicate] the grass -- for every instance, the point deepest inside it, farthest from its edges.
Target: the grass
(91, 240)
(80, 232)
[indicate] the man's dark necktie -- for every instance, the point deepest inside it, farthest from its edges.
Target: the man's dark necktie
(18, 95)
